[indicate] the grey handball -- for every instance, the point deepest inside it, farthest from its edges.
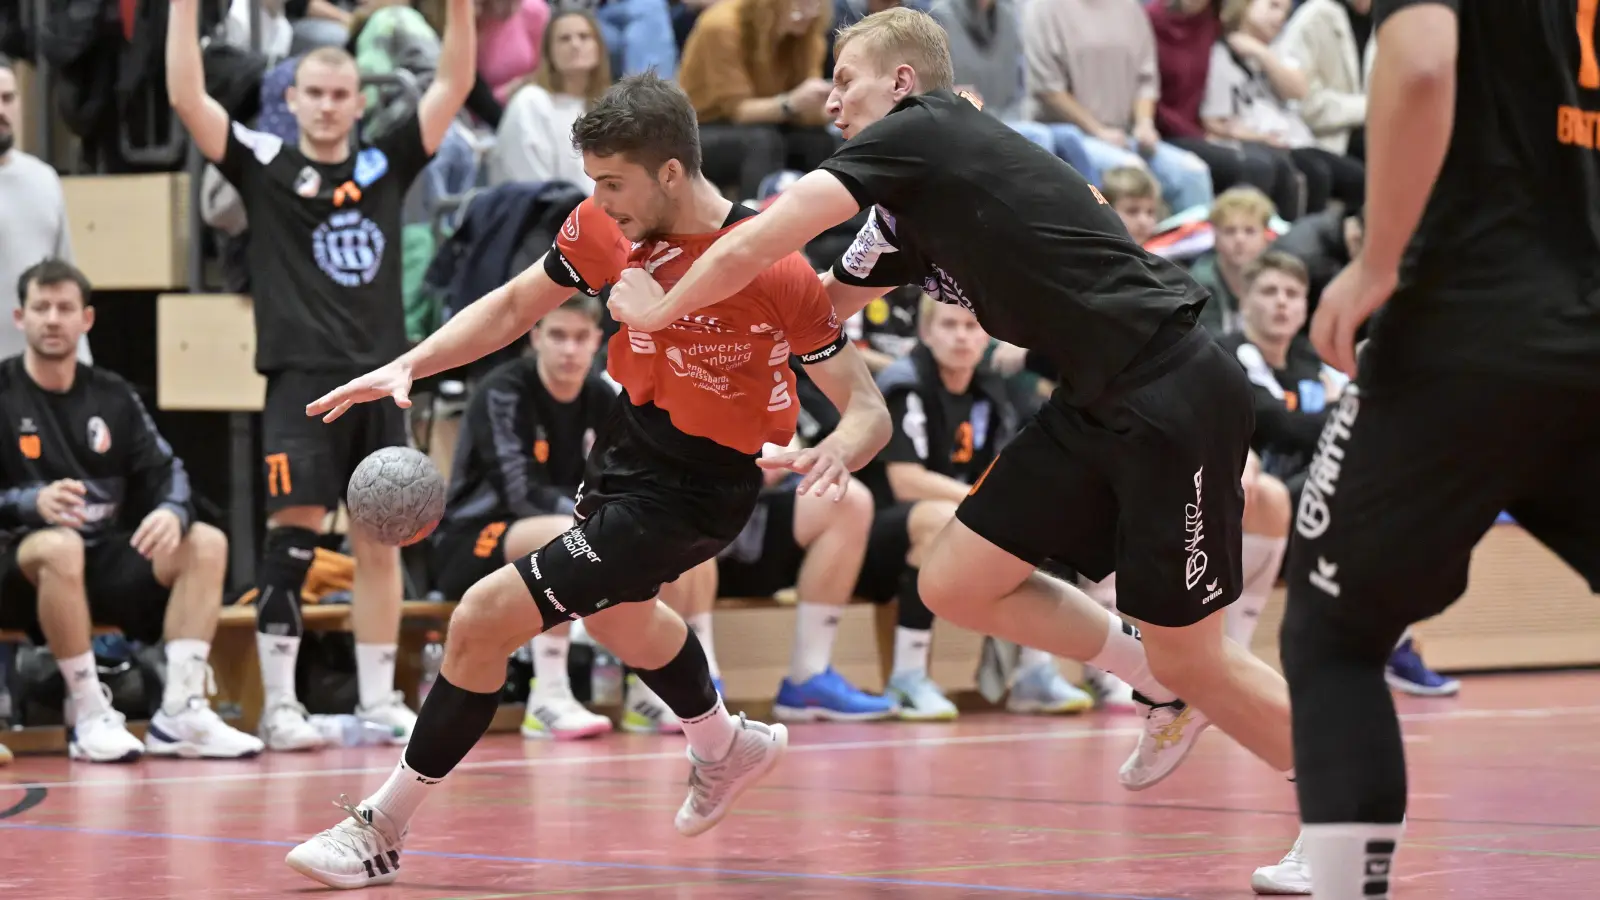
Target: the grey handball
(396, 495)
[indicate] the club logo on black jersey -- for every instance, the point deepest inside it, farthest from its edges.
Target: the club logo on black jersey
(371, 164)
(99, 435)
(349, 248)
(307, 183)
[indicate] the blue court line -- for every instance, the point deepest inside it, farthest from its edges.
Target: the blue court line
(637, 867)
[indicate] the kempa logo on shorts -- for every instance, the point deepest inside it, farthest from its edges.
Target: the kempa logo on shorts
(578, 546)
(551, 596)
(1322, 478)
(1194, 532)
(533, 563)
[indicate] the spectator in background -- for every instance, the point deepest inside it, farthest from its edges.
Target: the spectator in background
(99, 528)
(753, 69)
(534, 141)
(1239, 220)
(319, 23)
(1186, 31)
(1136, 197)
(986, 52)
(277, 32)
(1253, 94)
(639, 33)
(1326, 243)
(1091, 73)
(33, 224)
(1332, 42)
(510, 39)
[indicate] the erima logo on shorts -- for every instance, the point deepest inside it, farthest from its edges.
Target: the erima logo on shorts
(1194, 532)
(578, 546)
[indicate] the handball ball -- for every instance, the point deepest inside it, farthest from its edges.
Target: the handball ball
(396, 495)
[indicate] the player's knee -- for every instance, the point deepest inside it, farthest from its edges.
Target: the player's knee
(941, 594)
(855, 507)
(56, 550)
(485, 621)
(206, 547)
(1267, 507)
(1313, 635)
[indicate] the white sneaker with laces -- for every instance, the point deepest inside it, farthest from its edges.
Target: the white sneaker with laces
(393, 714)
(103, 737)
(1170, 730)
(713, 786)
(1290, 876)
(562, 718)
(285, 727)
(195, 731)
(362, 851)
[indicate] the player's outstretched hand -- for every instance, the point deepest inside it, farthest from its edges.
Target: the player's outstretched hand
(393, 380)
(824, 469)
(1350, 299)
(636, 301)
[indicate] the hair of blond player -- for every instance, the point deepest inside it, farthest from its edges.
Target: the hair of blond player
(901, 36)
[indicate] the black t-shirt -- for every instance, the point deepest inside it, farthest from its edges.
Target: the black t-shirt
(983, 218)
(324, 251)
(1291, 403)
(949, 434)
(1503, 273)
(888, 324)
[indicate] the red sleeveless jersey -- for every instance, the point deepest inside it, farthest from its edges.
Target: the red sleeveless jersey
(723, 372)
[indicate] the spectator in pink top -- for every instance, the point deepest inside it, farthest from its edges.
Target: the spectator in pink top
(1186, 30)
(510, 33)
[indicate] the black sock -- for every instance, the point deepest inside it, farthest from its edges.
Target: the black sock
(450, 722)
(284, 565)
(912, 612)
(684, 684)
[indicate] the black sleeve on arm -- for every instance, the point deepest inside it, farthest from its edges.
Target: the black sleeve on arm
(20, 506)
(504, 426)
(1279, 426)
(1383, 9)
(156, 476)
(1039, 364)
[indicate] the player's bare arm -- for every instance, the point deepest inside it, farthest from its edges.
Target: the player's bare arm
(809, 207)
(848, 299)
(458, 60)
(203, 117)
(495, 320)
(1410, 114)
(863, 429)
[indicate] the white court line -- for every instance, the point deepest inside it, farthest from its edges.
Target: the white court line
(594, 759)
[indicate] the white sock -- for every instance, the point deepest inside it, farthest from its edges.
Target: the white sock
(911, 651)
(277, 668)
(700, 623)
(1123, 656)
(1030, 657)
(375, 673)
(186, 673)
(550, 678)
(1352, 861)
(711, 735)
(1262, 558)
(815, 626)
(402, 794)
(83, 683)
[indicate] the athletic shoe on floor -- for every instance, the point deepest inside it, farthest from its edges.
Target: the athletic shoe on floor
(392, 714)
(286, 727)
(645, 713)
(103, 737)
(828, 697)
(1041, 689)
(920, 698)
(1170, 730)
(362, 851)
(1290, 876)
(714, 786)
(557, 716)
(1406, 672)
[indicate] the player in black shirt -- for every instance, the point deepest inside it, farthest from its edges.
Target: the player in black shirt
(1477, 392)
(1134, 464)
(325, 269)
(97, 525)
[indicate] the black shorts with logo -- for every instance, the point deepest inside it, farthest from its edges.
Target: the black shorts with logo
(308, 462)
(1145, 483)
(120, 584)
(654, 504)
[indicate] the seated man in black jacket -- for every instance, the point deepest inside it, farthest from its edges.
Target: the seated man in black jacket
(97, 522)
(518, 463)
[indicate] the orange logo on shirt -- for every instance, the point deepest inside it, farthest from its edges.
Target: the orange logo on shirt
(347, 191)
(963, 450)
(488, 539)
(30, 446)
(541, 451)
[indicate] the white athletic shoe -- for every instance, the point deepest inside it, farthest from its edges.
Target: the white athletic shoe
(361, 851)
(285, 727)
(197, 732)
(561, 717)
(714, 786)
(1292, 875)
(103, 737)
(392, 714)
(920, 698)
(1170, 730)
(645, 713)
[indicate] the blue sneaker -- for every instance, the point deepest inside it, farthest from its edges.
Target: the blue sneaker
(829, 698)
(1407, 672)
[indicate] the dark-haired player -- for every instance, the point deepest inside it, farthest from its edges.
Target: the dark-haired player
(671, 480)
(1478, 390)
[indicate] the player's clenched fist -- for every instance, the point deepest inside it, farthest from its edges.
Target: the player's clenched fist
(636, 301)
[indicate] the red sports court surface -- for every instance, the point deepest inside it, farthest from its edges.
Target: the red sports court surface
(1505, 804)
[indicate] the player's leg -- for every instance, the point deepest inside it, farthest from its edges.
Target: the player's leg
(691, 596)
(1111, 692)
(181, 588)
(302, 485)
(1406, 481)
(51, 565)
(1267, 513)
(826, 542)
(379, 588)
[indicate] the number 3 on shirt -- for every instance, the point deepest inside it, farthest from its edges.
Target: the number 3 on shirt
(1588, 65)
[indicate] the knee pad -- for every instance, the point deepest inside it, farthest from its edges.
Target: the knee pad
(287, 558)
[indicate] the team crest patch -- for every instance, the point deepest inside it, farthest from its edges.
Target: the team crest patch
(371, 164)
(99, 435)
(307, 183)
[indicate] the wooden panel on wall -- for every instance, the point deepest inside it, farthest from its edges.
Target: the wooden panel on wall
(130, 232)
(205, 355)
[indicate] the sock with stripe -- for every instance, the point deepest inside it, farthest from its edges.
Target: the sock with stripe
(284, 564)
(684, 685)
(1351, 860)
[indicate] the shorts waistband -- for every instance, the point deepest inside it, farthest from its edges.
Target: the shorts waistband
(1175, 341)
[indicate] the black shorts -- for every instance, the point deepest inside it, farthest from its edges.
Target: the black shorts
(1145, 483)
(121, 586)
(887, 545)
(309, 462)
(645, 516)
(464, 554)
(1412, 472)
(764, 558)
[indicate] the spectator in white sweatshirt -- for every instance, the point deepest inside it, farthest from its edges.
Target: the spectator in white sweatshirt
(534, 142)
